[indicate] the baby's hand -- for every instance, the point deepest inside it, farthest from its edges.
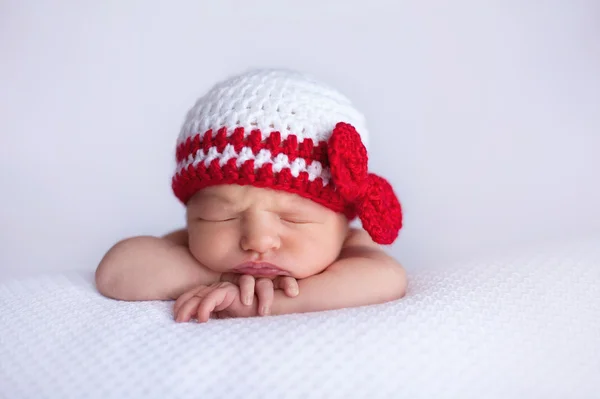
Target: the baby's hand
(221, 299)
(264, 288)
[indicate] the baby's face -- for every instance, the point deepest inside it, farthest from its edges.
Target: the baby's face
(263, 232)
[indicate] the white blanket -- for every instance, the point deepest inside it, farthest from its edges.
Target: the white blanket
(519, 327)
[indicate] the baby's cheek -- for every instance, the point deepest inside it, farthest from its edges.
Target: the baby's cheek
(314, 253)
(210, 248)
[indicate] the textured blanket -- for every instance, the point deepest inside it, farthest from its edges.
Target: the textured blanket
(525, 326)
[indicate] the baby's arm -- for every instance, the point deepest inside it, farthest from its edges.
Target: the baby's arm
(151, 268)
(363, 275)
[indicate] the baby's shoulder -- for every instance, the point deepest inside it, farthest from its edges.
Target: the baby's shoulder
(359, 244)
(179, 236)
(358, 237)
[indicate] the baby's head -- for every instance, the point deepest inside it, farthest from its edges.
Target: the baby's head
(272, 166)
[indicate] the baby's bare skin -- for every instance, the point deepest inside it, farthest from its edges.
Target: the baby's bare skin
(315, 260)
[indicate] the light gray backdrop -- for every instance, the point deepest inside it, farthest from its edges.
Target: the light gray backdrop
(485, 115)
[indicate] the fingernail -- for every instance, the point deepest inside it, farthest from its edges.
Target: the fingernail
(248, 300)
(294, 291)
(265, 310)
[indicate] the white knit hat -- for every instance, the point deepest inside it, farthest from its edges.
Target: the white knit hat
(284, 130)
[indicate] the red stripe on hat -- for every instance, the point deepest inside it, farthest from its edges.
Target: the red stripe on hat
(290, 146)
(194, 178)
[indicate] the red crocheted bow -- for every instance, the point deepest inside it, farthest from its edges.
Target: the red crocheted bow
(372, 196)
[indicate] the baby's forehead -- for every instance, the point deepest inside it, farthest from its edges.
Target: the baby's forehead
(242, 196)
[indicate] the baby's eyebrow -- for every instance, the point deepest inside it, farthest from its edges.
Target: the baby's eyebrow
(220, 198)
(299, 206)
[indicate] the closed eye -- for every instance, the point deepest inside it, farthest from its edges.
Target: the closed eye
(296, 221)
(216, 220)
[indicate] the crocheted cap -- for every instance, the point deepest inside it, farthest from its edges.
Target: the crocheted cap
(284, 130)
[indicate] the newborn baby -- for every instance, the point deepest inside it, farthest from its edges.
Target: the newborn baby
(272, 167)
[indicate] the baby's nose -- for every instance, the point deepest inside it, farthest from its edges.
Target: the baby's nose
(259, 237)
(260, 244)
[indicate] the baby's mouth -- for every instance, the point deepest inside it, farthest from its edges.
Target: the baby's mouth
(260, 269)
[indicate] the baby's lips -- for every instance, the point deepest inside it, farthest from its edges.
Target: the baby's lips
(260, 269)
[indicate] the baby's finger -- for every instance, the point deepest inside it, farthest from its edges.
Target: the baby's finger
(215, 301)
(230, 296)
(183, 298)
(246, 283)
(207, 306)
(264, 291)
(187, 309)
(289, 285)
